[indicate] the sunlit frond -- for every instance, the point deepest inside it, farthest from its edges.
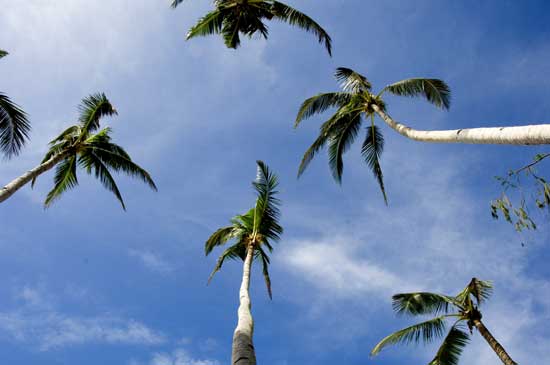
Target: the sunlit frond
(450, 350)
(422, 303)
(64, 179)
(481, 290)
(434, 90)
(218, 238)
(425, 332)
(209, 24)
(371, 150)
(92, 109)
(266, 211)
(352, 81)
(14, 127)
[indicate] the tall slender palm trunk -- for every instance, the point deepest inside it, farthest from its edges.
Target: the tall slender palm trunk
(19, 182)
(497, 347)
(243, 349)
(520, 135)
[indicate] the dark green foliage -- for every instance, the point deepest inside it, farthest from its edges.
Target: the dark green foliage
(231, 18)
(451, 349)
(371, 151)
(434, 90)
(255, 229)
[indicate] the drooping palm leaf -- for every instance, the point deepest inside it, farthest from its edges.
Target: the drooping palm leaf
(352, 81)
(64, 179)
(320, 103)
(262, 255)
(294, 17)
(238, 250)
(92, 109)
(371, 150)
(340, 141)
(450, 350)
(426, 331)
(434, 90)
(210, 24)
(421, 303)
(14, 127)
(218, 238)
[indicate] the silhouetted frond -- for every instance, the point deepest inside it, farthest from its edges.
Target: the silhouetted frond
(371, 151)
(14, 127)
(352, 81)
(434, 90)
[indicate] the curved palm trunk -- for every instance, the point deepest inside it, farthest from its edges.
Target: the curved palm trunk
(19, 182)
(497, 347)
(522, 135)
(242, 352)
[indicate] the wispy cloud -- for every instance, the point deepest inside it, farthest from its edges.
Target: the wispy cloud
(176, 357)
(152, 261)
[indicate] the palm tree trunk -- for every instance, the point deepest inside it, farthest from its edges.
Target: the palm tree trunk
(19, 182)
(497, 347)
(243, 350)
(521, 135)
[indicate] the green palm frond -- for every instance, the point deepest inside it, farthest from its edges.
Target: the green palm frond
(230, 33)
(218, 238)
(266, 212)
(91, 162)
(371, 151)
(3, 53)
(293, 17)
(426, 331)
(64, 179)
(450, 350)
(434, 90)
(481, 290)
(238, 250)
(352, 81)
(422, 303)
(319, 103)
(92, 109)
(14, 127)
(262, 255)
(209, 24)
(339, 142)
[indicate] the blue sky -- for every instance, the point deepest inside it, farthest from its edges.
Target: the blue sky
(85, 282)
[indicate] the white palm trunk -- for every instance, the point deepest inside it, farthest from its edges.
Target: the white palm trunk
(520, 135)
(22, 180)
(243, 349)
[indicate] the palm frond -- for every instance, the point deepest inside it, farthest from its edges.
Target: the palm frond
(92, 109)
(421, 303)
(426, 331)
(266, 211)
(3, 53)
(434, 90)
(450, 350)
(340, 141)
(14, 127)
(175, 3)
(230, 33)
(64, 179)
(294, 17)
(371, 151)
(481, 290)
(352, 81)
(265, 269)
(89, 161)
(238, 250)
(319, 103)
(209, 24)
(218, 238)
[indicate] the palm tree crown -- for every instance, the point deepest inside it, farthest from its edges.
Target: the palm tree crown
(14, 125)
(353, 103)
(85, 146)
(256, 229)
(233, 17)
(463, 309)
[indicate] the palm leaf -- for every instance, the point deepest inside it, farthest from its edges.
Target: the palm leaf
(64, 179)
(425, 331)
(92, 109)
(421, 303)
(3, 53)
(238, 250)
(265, 269)
(90, 162)
(352, 81)
(266, 211)
(294, 17)
(320, 103)
(481, 290)
(450, 350)
(435, 91)
(218, 238)
(209, 24)
(14, 127)
(340, 141)
(371, 151)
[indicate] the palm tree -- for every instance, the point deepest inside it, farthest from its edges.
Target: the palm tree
(252, 233)
(14, 125)
(78, 145)
(233, 17)
(461, 308)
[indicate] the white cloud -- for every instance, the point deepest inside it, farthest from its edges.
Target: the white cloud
(179, 357)
(152, 261)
